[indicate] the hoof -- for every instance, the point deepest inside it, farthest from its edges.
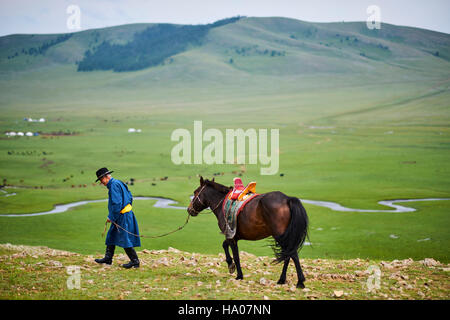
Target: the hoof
(240, 277)
(231, 268)
(281, 281)
(300, 285)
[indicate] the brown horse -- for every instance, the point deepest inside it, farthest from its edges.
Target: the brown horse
(269, 214)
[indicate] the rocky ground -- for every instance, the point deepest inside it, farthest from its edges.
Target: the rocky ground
(42, 273)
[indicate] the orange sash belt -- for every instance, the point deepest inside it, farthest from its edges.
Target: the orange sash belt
(126, 209)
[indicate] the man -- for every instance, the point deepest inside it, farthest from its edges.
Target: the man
(120, 213)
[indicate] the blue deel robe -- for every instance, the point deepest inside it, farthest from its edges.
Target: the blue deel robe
(119, 197)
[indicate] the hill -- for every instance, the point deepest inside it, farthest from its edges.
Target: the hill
(174, 274)
(274, 46)
(239, 57)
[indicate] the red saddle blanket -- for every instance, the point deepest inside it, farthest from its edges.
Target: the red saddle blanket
(231, 209)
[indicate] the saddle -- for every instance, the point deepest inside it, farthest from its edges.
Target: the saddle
(234, 202)
(239, 192)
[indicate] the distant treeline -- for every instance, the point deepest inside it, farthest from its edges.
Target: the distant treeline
(148, 48)
(253, 50)
(44, 47)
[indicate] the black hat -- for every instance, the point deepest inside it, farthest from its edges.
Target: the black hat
(102, 172)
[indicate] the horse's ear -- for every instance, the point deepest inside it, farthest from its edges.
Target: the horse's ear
(201, 181)
(213, 180)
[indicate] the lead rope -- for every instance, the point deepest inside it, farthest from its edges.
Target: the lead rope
(143, 236)
(161, 235)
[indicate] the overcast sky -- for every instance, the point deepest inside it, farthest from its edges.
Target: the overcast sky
(50, 16)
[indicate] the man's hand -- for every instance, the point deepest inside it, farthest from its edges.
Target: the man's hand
(104, 231)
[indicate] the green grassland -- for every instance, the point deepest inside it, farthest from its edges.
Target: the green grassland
(173, 274)
(354, 129)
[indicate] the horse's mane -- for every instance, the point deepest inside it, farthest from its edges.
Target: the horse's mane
(219, 187)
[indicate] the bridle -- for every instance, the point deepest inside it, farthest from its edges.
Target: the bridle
(197, 197)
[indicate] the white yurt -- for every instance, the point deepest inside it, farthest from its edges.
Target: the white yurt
(20, 134)
(132, 130)
(29, 134)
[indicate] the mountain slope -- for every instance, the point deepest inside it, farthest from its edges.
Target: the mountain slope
(337, 67)
(272, 46)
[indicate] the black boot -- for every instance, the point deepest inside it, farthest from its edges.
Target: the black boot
(134, 261)
(108, 255)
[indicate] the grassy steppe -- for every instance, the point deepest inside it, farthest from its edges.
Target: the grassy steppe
(392, 150)
(353, 129)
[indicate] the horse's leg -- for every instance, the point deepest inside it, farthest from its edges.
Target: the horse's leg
(300, 276)
(283, 273)
(229, 260)
(235, 250)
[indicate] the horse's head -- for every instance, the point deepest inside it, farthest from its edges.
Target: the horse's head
(208, 194)
(198, 202)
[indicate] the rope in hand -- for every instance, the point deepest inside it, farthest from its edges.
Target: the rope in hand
(142, 236)
(161, 235)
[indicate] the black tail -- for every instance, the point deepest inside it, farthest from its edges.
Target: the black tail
(291, 241)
